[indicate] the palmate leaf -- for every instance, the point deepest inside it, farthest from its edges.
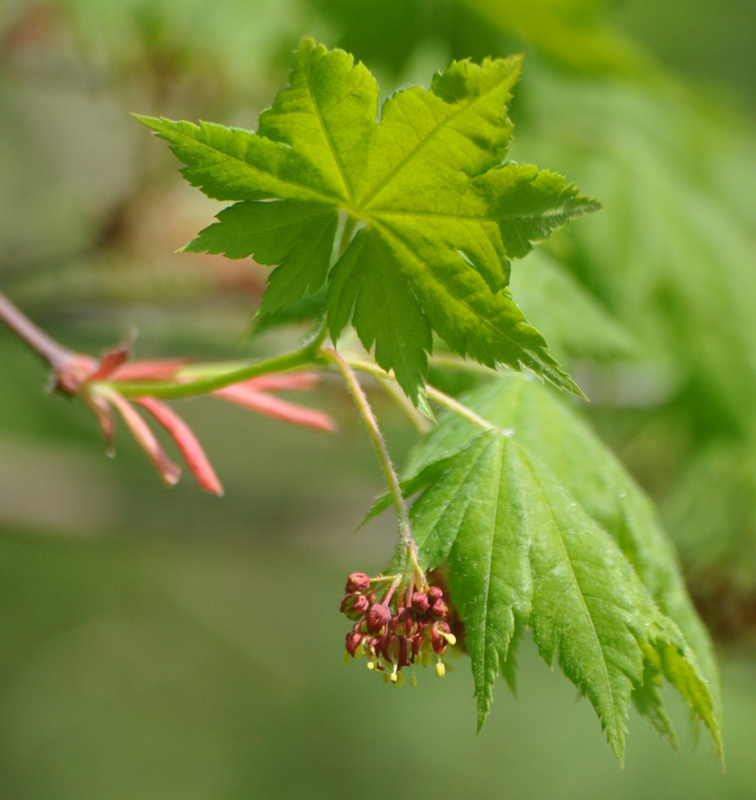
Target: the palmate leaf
(438, 215)
(540, 525)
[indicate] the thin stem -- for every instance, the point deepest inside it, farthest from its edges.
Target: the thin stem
(461, 410)
(392, 479)
(461, 364)
(210, 383)
(434, 394)
(55, 354)
(421, 424)
(218, 376)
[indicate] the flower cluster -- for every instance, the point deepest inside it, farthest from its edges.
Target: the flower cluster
(400, 630)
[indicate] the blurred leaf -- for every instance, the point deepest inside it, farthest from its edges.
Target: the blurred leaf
(672, 256)
(575, 34)
(574, 322)
(232, 40)
(570, 32)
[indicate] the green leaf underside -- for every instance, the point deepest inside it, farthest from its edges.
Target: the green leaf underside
(439, 215)
(542, 527)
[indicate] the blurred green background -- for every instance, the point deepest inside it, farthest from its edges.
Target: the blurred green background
(164, 645)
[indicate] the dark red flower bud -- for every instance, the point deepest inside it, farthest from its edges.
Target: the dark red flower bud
(358, 582)
(391, 648)
(408, 621)
(435, 593)
(380, 645)
(438, 642)
(377, 618)
(420, 602)
(440, 609)
(403, 660)
(354, 606)
(353, 641)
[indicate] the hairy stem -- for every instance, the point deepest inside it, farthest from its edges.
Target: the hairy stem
(434, 394)
(376, 437)
(461, 364)
(55, 354)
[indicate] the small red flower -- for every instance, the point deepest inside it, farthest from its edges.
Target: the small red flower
(358, 582)
(401, 630)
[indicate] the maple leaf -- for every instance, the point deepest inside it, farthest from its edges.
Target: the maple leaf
(540, 526)
(434, 214)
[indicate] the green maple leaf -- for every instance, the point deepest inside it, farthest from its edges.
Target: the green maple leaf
(438, 215)
(540, 526)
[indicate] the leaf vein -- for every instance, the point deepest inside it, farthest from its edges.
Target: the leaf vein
(326, 132)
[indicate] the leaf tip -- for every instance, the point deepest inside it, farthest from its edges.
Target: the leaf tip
(145, 119)
(423, 406)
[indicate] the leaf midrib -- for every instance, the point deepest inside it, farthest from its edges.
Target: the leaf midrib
(527, 462)
(519, 348)
(326, 133)
(370, 197)
(448, 501)
(335, 199)
(495, 516)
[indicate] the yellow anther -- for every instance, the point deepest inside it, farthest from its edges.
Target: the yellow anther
(371, 665)
(413, 680)
(346, 658)
(359, 652)
(394, 677)
(450, 637)
(440, 670)
(399, 680)
(426, 659)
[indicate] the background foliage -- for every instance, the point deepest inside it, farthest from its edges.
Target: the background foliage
(170, 645)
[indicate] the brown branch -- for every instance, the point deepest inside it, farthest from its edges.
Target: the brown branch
(55, 354)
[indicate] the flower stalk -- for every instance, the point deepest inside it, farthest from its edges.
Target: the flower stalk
(406, 540)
